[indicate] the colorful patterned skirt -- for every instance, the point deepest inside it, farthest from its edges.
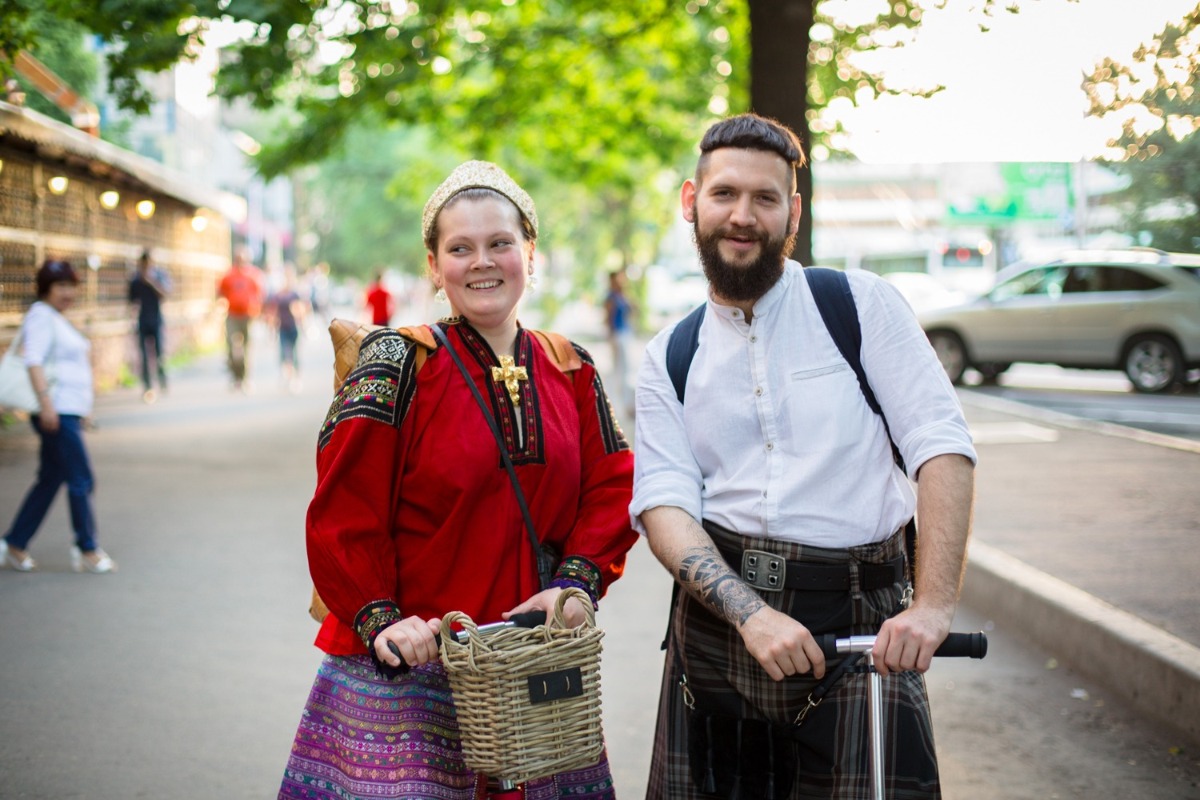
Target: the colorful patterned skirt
(363, 737)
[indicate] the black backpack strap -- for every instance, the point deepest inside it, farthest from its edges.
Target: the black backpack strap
(681, 347)
(835, 301)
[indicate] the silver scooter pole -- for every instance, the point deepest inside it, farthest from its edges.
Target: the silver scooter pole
(967, 645)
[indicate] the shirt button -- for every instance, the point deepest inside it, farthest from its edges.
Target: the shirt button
(753, 338)
(758, 391)
(770, 445)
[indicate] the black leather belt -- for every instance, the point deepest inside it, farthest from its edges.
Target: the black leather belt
(771, 573)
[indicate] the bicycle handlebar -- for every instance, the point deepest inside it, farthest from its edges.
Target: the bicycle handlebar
(960, 645)
(527, 619)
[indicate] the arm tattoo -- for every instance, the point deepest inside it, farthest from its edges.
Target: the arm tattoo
(705, 574)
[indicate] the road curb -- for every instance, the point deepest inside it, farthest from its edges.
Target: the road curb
(1157, 672)
(1063, 420)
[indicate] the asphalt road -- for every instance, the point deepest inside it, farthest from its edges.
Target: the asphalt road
(183, 675)
(1099, 395)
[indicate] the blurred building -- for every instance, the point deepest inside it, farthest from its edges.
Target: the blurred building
(960, 222)
(69, 195)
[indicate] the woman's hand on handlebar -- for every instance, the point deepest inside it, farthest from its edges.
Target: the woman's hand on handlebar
(413, 637)
(544, 600)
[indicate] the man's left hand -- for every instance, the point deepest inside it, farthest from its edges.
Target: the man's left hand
(908, 640)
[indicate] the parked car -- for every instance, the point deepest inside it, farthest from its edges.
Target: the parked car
(1135, 310)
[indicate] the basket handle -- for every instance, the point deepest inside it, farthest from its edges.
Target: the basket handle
(558, 621)
(449, 636)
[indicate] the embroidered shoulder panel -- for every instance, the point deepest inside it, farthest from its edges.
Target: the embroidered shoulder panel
(610, 427)
(381, 385)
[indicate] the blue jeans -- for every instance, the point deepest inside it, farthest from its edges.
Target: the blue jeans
(63, 460)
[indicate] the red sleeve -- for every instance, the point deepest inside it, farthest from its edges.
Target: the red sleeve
(351, 550)
(594, 552)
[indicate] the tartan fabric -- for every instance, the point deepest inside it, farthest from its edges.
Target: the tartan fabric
(832, 746)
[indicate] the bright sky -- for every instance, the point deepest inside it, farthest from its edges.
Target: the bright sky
(1013, 93)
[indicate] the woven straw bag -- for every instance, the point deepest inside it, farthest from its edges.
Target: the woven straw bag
(527, 699)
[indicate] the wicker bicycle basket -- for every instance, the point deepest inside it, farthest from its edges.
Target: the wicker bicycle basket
(527, 699)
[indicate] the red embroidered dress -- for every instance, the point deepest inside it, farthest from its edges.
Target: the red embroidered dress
(414, 512)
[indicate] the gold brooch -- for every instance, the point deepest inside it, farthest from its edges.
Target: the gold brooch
(510, 375)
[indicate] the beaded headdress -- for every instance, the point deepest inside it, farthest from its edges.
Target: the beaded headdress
(476, 175)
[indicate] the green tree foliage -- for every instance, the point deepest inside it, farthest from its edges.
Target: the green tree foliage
(1157, 95)
(606, 95)
(60, 48)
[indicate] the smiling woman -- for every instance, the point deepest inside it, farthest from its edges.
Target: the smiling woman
(414, 516)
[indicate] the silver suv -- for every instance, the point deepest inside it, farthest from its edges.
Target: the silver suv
(1135, 310)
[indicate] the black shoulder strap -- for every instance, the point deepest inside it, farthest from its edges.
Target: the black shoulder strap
(681, 347)
(835, 301)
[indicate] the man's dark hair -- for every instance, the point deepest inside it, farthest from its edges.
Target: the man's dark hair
(752, 132)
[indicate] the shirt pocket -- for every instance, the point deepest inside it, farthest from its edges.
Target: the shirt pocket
(823, 408)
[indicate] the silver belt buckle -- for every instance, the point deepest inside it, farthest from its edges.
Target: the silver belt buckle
(763, 570)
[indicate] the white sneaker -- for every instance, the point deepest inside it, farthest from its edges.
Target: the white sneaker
(99, 563)
(25, 564)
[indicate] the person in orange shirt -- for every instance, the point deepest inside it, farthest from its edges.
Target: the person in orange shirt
(242, 290)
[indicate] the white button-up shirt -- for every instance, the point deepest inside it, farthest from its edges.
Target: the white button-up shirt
(775, 438)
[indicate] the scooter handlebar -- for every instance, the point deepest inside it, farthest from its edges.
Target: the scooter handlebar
(956, 645)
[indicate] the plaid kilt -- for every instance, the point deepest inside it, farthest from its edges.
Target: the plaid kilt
(832, 747)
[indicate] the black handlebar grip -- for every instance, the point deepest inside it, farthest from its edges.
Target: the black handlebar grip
(828, 644)
(529, 619)
(963, 645)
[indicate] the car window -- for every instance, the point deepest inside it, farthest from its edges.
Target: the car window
(1084, 278)
(1047, 281)
(1119, 279)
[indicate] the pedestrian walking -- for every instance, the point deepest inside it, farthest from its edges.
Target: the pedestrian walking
(147, 289)
(288, 313)
(242, 289)
(767, 485)
(58, 358)
(415, 516)
(618, 316)
(379, 302)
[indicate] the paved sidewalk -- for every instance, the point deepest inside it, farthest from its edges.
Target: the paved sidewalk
(183, 675)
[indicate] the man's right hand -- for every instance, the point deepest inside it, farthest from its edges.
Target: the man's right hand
(781, 644)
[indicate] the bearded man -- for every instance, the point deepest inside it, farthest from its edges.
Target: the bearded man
(773, 497)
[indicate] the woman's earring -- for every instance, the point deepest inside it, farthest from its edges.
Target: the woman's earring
(531, 284)
(440, 295)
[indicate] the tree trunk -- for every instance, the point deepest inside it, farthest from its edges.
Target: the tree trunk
(779, 38)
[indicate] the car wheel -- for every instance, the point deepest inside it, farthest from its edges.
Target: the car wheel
(951, 353)
(1152, 363)
(991, 370)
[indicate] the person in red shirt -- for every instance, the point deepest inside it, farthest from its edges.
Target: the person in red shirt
(414, 515)
(380, 301)
(242, 289)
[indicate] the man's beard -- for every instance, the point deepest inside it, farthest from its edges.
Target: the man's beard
(742, 283)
